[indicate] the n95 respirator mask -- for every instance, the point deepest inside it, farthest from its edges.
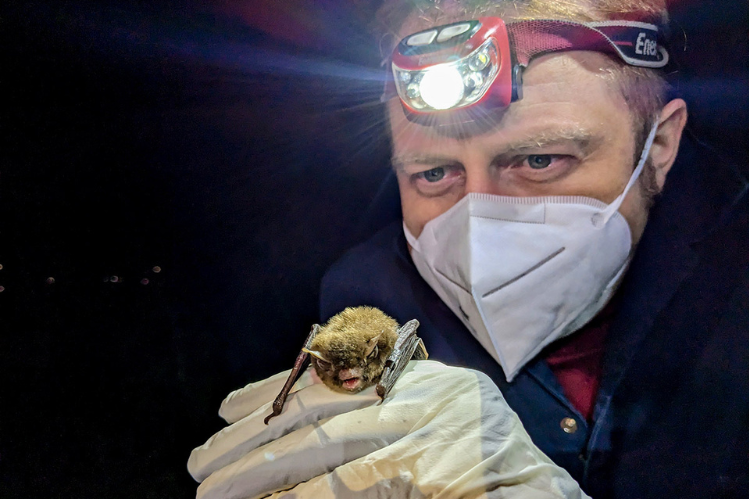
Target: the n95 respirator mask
(521, 272)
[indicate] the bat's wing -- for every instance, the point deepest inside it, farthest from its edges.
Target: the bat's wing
(300, 364)
(408, 346)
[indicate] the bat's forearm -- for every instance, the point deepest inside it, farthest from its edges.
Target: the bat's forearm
(299, 365)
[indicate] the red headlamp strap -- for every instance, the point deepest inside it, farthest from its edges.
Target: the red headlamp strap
(636, 43)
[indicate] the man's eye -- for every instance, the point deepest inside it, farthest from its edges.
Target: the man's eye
(434, 175)
(436, 181)
(539, 161)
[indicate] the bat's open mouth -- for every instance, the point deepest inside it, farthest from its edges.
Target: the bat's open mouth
(351, 384)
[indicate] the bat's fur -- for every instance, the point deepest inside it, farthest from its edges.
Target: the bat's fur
(342, 346)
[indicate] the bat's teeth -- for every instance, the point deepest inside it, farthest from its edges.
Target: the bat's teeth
(352, 383)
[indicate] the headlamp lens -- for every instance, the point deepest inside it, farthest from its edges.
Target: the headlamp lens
(442, 87)
(413, 91)
(449, 85)
(479, 61)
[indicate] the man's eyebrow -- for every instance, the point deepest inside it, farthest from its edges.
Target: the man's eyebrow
(582, 138)
(399, 162)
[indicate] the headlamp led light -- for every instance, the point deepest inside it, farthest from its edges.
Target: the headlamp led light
(462, 64)
(450, 85)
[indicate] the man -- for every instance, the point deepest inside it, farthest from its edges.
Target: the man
(533, 249)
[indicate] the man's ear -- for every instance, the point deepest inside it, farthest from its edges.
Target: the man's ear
(665, 147)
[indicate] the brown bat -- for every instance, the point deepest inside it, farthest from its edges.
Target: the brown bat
(354, 350)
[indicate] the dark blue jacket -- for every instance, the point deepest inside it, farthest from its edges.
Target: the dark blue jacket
(672, 414)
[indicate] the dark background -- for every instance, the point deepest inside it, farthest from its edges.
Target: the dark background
(239, 147)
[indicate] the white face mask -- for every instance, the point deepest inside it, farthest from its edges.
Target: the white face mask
(523, 272)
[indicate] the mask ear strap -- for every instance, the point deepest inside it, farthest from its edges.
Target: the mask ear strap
(604, 216)
(410, 238)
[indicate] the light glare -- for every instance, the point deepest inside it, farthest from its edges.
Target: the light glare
(442, 87)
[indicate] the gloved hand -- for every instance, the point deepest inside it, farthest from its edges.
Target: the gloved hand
(443, 432)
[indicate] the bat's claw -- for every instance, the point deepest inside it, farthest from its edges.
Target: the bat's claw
(272, 415)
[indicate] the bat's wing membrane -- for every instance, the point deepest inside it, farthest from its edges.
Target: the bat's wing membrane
(300, 364)
(408, 346)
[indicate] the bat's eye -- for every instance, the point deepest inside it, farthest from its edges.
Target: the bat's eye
(373, 353)
(323, 364)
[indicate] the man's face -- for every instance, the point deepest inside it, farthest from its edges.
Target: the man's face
(570, 135)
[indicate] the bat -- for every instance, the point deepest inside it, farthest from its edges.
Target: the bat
(354, 350)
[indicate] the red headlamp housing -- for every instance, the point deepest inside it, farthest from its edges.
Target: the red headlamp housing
(472, 59)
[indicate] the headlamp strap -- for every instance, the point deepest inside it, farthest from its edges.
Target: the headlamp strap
(636, 43)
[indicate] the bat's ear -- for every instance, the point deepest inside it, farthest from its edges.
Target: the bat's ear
(372, 344)
(315, 354)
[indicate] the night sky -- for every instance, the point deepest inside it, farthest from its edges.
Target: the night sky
(174, 181)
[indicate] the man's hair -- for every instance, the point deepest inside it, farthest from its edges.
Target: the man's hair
(644, 90)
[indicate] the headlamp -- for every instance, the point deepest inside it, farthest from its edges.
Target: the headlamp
(480, 61)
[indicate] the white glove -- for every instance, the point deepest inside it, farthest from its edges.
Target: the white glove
(443, 432)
